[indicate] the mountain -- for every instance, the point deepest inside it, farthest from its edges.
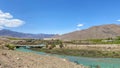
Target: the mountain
(9, 33)
(95, 32)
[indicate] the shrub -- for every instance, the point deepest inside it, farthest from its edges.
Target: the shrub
(10, 46)
(61, 45)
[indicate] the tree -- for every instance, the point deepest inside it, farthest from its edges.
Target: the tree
(118, 38)
(61, 45)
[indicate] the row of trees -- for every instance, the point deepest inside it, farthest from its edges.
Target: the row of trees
(97, 41)
(53, 43)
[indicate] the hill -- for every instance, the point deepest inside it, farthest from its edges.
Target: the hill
(95, 32)
(9, 33)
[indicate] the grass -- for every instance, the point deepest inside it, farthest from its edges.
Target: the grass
(83, 53)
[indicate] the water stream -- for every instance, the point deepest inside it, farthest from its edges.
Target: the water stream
(93, 62)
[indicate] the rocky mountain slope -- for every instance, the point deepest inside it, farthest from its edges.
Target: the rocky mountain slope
(95, 32)
(9, 33)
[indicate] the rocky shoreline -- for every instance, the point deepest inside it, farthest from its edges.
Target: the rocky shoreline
(15, 59)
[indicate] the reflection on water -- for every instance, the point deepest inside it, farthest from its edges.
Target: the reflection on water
(92, 62)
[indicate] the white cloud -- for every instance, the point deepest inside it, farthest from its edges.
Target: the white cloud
(13, 23)
(118, 20)
(5, 15)
(7, 20)
(79, 25)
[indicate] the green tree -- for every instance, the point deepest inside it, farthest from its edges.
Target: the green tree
(61, 45)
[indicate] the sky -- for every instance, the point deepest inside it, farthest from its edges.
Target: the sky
(57, 16)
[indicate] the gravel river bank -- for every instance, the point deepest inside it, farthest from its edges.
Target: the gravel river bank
(15, 59)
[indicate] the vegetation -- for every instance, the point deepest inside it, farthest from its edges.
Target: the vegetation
(10, 46)
(84, 53)
(59, 42)
(13, 38)
(28, 41)
(53, 43)
(96, 41)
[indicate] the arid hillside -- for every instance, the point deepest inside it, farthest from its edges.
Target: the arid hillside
(95, 32)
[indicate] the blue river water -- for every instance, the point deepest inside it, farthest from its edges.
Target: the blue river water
(92, 62)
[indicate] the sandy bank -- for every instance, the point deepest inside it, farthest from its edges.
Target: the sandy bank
(14, 59)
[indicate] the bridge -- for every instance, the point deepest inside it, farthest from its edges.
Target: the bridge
(31, 46)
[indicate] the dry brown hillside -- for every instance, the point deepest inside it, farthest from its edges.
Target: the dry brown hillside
(96, 32)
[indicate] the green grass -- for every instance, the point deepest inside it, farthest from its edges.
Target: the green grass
(83, 53)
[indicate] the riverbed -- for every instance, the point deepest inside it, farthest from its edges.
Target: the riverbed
(87, 61)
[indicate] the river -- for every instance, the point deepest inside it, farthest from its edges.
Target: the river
(92, 62)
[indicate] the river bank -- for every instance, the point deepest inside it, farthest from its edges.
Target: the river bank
(86, 50)
(86, 61)
(80, 52)
(15, 59)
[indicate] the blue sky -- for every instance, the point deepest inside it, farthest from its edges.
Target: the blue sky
(58, 16)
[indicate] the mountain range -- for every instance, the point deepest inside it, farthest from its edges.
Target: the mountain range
(95, 32)
(9, 33)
